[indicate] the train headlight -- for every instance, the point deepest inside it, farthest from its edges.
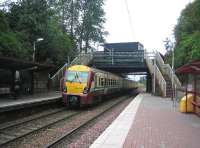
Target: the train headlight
(86, 90)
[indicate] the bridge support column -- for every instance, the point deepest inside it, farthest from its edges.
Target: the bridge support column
(149, 83)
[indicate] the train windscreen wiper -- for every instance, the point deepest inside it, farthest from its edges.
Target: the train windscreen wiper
(76, 77)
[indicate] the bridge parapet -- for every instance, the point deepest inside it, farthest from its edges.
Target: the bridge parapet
(56, 79)
(82, 58)
(156, 73)
(118, 58)
(167, 70)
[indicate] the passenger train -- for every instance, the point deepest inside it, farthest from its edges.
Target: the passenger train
(84, 86)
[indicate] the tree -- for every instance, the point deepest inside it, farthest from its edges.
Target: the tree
(64, 25)
(91, 26)
(83, 20)
(10, 44)
(187, 35)
(28, 20)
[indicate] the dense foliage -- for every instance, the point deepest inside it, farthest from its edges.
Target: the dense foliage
(67, 27)
(187, 35)
(83, 20)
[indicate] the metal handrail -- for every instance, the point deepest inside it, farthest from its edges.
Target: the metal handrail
(167, 70)
(161, 81)
(158, 75)
(80, 59)
(118, 57)
(58, 72)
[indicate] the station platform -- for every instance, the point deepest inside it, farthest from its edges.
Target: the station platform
(8, 104)
(151, 122)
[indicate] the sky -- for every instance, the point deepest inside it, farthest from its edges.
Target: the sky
(152, 21)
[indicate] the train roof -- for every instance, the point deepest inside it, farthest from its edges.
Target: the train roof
(86, 68)
(79, 68)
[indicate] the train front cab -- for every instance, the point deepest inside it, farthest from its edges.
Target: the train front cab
(77, 83)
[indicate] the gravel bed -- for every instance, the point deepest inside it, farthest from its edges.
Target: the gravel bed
(31, 117)
(12, 116)
(87, 135)
(44, 137)
(27, 128)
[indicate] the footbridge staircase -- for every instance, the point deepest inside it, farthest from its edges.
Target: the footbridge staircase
(161, 74)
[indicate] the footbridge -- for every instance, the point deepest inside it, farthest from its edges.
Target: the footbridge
(129, 58)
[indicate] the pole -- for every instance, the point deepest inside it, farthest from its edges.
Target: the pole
(34, 51)
(154, 78)
(154, 75)
(68, 59)
(172, 78)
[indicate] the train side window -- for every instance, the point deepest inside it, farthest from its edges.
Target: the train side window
(101, 82)
(105, 82)
(95, 81)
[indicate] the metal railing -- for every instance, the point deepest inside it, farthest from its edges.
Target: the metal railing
(154, 70)
(167, 70)
(118, 57)
(56, 79)
(83, 59)
(161, 81)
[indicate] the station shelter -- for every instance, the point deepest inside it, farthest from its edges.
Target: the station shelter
(191, 72)
(33, 76)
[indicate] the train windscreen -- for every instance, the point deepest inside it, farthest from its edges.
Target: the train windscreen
(76, 76)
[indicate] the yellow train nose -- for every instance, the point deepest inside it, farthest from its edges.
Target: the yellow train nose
(75, 87)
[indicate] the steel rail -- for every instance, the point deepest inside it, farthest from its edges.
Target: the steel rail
(39, 128)
(26, 121)
(58, 140)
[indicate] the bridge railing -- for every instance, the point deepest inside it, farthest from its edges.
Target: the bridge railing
(101, 57)
(82, 58)
(155, 72)
(167, 70)
(161, 81)
(56, 79)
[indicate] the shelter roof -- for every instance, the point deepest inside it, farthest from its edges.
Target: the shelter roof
(18, 64)
(193, 68)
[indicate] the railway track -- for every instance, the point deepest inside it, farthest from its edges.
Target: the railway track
(29, 119)
(15, 131)
(67, 135)
(51, 134)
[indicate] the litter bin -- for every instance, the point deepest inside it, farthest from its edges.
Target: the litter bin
(186, 108)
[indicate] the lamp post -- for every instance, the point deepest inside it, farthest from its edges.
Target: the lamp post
(37, 40)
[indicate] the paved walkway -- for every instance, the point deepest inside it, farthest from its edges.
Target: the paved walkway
(152, 122)
(7, 104)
